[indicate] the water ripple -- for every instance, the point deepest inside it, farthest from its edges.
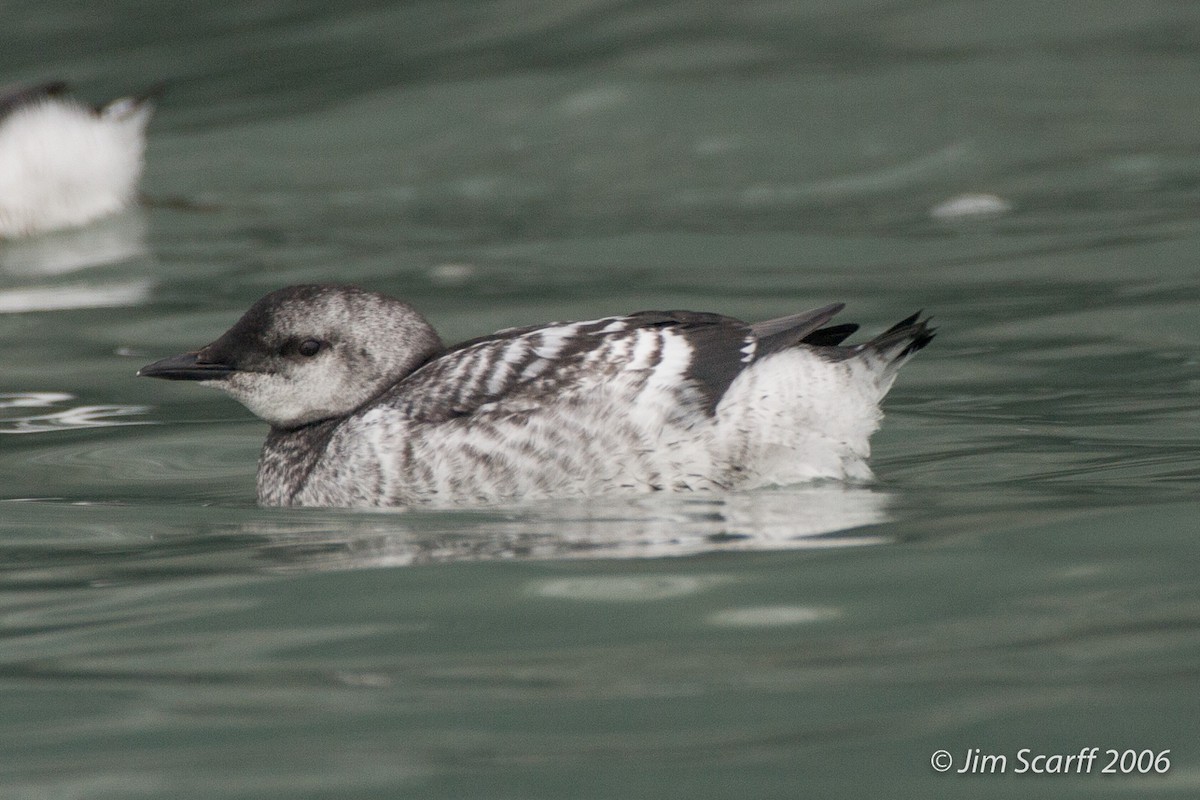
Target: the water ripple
(163, 461)
(72, 418)
(111, 241)
(74, 295)
(807, 517)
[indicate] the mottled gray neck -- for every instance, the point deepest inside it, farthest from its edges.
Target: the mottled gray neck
(288, 458)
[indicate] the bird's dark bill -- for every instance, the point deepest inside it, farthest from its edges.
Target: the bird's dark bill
(185, 367)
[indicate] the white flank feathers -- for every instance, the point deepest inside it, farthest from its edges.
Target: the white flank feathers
(64, 165)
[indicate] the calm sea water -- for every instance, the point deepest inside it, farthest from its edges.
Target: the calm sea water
(1021, 578)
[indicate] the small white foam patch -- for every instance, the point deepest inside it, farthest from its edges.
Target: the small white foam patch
(771, 616)
(626, 588)
(452, 274)
(971, 205)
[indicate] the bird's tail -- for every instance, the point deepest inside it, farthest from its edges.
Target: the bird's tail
(901, 340)
(883, 356)
(136, 107)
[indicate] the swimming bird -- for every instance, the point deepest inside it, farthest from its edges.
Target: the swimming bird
(64, 164)
(367, 407)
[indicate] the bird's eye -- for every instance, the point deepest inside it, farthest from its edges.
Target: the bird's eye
(309, 348)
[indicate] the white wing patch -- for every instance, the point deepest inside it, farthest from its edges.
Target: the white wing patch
(676, 357)
(503, 368)
(645, 350)
(554, 339)
(618, 324)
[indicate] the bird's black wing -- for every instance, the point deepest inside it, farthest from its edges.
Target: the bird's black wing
(699, 354)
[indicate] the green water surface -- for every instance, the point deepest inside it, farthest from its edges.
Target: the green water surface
(1021, 577)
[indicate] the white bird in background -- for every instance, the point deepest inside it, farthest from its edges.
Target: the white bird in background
(63, 163)
(368, 408)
